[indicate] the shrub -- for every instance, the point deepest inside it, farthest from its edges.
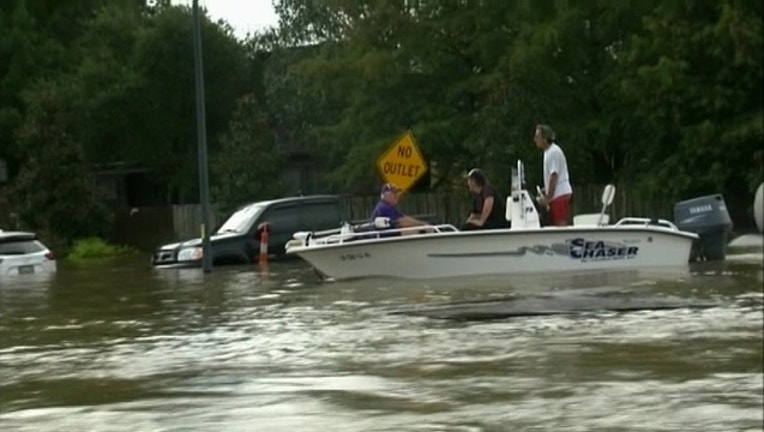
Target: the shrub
(95, 247)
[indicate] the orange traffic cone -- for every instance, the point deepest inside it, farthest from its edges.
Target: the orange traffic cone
(264, 228)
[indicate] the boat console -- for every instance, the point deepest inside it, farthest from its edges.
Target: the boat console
(521, 210)
(522, 213)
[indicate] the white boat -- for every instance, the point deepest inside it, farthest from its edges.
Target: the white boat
(525, 247)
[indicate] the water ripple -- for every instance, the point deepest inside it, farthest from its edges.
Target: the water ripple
(279, 352)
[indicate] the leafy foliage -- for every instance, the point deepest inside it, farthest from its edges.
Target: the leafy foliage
(695, 79)
(53, 192)
(665, 95)
(96, 247)
(134, 90)
(248, 164)
(26, 55)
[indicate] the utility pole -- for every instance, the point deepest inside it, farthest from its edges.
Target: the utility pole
(201, 135)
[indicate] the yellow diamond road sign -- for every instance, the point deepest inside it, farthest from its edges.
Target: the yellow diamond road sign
(402, 163)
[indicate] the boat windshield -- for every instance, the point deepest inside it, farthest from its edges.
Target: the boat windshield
(241, 220)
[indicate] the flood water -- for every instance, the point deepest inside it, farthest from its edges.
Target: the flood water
(116, 346)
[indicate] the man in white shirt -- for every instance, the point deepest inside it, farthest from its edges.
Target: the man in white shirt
(557, 189)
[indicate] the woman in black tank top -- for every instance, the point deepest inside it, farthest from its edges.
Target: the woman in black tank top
(487, 205)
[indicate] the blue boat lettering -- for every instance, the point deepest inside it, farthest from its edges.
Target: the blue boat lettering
(598, 250)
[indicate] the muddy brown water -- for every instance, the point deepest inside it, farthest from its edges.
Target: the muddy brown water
(116, 346)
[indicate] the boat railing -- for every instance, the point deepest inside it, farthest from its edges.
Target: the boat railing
(367, 231)
(645, 222)
(347, 236)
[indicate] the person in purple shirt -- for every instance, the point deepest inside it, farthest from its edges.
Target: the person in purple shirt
(388, 207)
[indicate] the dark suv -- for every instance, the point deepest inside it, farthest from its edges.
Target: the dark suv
(237, 241)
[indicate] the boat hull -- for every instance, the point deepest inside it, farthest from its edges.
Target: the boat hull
(466, 253)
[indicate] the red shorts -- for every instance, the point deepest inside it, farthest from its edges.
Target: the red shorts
(558, 210)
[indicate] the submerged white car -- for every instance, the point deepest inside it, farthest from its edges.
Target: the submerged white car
(22, 253)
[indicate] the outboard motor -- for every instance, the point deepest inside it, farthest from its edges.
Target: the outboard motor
(706, 216)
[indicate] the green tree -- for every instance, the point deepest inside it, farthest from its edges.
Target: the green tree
(470, 78)
(694, 77)
(384, 66)
(133, 90)
(26, 55)
(103, 86)
(563, 68)
(666, 94)
(248, 165)
(53, 192)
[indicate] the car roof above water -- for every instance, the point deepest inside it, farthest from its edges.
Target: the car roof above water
(17, 235)
(286, 200)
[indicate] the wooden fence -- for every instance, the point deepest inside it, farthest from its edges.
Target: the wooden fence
(148, 227)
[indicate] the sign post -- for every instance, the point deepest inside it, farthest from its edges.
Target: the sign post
(402, 163)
